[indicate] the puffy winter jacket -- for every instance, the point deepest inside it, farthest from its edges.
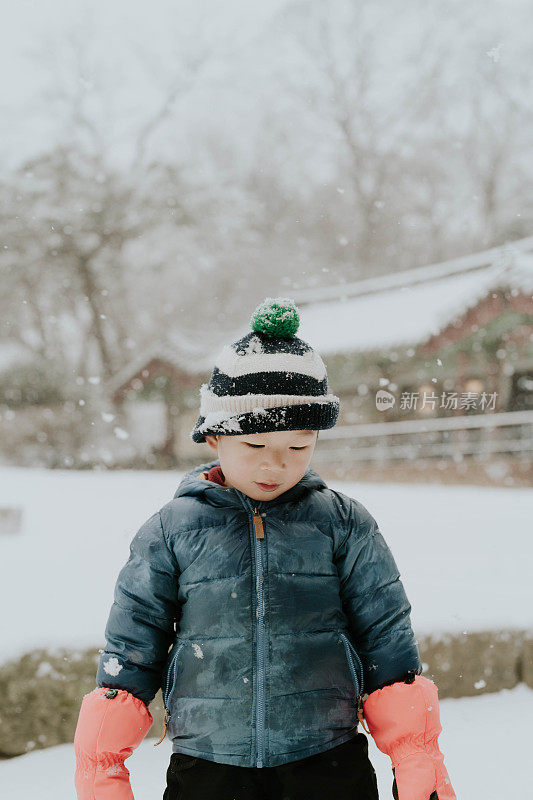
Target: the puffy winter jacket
(278, 614)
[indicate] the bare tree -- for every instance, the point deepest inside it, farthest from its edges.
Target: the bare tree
(367, 128)
(499, 113)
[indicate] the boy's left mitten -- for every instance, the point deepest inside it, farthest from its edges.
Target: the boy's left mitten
(404, 721)
(111, 724)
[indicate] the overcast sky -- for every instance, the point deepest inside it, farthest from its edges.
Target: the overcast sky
(134, 40)
(119, 29)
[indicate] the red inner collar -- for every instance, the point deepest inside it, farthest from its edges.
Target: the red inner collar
(216, 475)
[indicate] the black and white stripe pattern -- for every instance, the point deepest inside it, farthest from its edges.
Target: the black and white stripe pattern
(263, 383)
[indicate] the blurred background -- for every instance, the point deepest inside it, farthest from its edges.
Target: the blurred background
(164, 168)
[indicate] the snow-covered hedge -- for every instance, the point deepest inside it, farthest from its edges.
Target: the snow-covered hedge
(42, 691)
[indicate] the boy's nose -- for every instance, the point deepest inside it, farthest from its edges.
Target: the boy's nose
(274, 465)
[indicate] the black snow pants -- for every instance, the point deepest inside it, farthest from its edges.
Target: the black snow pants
(340, 773)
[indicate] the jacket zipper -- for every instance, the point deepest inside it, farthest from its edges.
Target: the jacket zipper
(260, 614)
(166, 696)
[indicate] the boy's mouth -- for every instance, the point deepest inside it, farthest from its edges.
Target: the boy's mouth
(268, 487)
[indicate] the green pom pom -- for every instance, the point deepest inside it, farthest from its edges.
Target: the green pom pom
(276, 316)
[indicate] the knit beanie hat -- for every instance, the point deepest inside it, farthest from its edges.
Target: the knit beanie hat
(270, 380)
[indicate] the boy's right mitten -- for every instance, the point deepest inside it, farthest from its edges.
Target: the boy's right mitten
(111, 724)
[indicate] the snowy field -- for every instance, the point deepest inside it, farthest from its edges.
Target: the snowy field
(464, 553)
(453, 546)
(485, 741)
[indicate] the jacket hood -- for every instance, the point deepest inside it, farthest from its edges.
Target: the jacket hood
(193, 485)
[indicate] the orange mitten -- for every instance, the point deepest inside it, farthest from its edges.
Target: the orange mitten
(111, 724)
(404, 721)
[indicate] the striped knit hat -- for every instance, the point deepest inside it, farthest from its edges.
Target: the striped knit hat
(267, 381)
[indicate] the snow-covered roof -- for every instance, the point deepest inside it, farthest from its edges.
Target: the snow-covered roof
(401, 309)
(408, 307)
(183, 355)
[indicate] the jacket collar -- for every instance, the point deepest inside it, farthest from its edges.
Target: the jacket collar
(193, 485)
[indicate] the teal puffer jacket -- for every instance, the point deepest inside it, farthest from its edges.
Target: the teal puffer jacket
(263, 622)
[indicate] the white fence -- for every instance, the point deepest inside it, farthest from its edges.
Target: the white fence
(446, 437)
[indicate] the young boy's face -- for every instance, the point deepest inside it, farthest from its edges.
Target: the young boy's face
(280, 458)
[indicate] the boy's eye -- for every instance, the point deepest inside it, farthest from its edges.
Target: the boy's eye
(262, 445)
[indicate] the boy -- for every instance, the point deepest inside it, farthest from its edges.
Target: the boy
(281, 605)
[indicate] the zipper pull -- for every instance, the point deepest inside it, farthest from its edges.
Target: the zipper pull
(360, 714)
(167, 718)
(258, 522)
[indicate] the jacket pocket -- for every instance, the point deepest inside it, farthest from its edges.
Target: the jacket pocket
(171, 676)
(167, 687)
(351, 655)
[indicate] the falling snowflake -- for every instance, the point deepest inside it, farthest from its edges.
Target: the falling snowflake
(494, 53)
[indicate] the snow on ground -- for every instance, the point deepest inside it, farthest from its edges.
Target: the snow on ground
(464, 553)
(485, 741)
